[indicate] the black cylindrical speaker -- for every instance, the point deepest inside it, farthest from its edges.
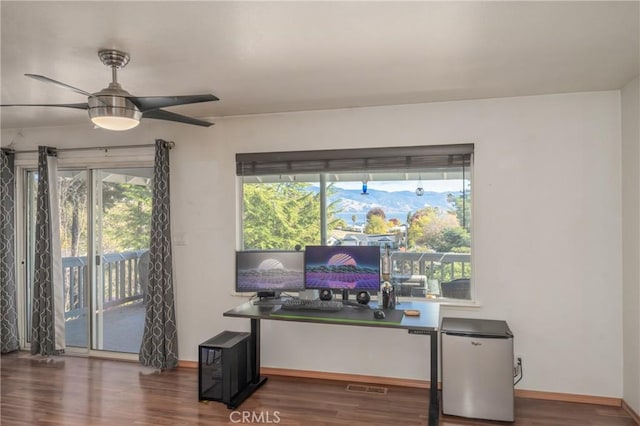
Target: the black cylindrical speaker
(363, 297)
(326, 294)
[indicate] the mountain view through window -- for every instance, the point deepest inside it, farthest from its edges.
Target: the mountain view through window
(426, 224)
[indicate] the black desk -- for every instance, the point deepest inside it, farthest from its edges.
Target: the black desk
(425, 324)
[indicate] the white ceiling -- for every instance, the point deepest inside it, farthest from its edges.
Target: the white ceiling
(260, 57)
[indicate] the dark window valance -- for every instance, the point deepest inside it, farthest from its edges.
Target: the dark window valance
(354, 160)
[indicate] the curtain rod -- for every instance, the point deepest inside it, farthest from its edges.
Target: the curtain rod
(101, 148)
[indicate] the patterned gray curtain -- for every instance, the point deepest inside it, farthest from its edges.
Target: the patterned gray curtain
(159, 348)
(9, 340)
(47, 325)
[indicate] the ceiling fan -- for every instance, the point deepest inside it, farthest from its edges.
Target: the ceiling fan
(113, 108)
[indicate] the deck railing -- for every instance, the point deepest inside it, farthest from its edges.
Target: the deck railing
(124, 275)
(414, 270)
(123, 279)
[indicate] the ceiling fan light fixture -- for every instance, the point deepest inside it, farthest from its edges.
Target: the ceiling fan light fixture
(115, 122)
(113, 113)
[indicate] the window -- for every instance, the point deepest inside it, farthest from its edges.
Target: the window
(414, 200)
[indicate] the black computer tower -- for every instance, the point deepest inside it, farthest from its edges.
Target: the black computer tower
(224, 367)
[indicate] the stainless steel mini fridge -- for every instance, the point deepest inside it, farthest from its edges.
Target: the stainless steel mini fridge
(477, 369)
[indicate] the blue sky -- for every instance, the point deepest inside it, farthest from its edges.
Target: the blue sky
(407, 185)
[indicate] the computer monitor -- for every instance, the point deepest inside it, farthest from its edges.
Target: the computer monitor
(342, 267)
(269, 272)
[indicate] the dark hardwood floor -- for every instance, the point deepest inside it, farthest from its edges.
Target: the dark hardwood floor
(81, 391)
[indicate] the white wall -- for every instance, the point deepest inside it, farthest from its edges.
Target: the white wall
(631, 242)
(547, 230)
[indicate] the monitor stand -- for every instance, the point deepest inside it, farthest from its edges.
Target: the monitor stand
(268, 295)
(345, 294)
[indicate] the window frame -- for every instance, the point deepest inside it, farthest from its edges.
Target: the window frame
(325, 162)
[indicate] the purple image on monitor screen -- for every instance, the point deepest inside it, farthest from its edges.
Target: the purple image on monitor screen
(342, 267)
(258, 271)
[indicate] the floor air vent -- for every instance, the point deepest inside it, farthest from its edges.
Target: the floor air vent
(367, 389)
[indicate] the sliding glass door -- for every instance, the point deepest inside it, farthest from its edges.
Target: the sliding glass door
(106, 213)
(122, 219)
(72, 190)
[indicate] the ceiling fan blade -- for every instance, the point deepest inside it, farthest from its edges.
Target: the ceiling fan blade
(160, 114)
(57, 83)
(83, 105)
(148, 103)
